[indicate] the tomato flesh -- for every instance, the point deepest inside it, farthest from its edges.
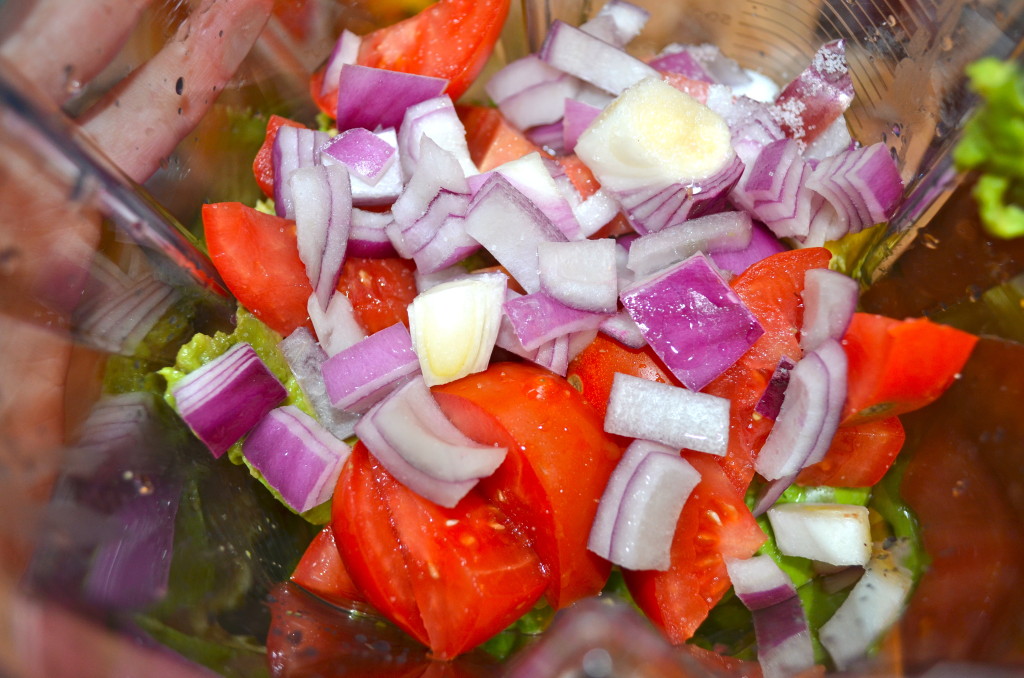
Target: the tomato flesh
(860, 454)
(715, 524)
(380, 290)
(897, 366)
(558, 463)
(258, 257)
(450, 39)
(321, 571)
(451, 578)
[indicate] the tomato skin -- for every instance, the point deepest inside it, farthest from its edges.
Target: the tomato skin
(263, 163)
(451, 578)
(380, 290)
(715, 524)
(558, 464)
(898, 366)
(860, 454)
(591, 372)
(257, 256)
(450, 39)
(771, 290)
(321, 571)
(492, 141)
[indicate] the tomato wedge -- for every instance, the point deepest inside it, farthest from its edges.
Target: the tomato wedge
(451, 578)
(715, 524)
(450, 39)
(558, 464)
(257, 256)
(380, 290)
(263, 163)
(321, 571)
(771, 290)
(897, 366)
(859, 456)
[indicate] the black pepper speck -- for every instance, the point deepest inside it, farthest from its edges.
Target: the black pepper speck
(179, 86)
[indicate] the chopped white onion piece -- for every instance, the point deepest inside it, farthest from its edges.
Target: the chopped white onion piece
(667, 414)
(580, 273)
(604, 65)
(454, 326)
(336, 326)
(837, 534)
(728, 231)
(874, 604)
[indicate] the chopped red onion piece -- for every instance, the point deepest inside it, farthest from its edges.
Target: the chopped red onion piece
(784, 647)
(520, 75)
(294, 148)
(322, 199)
(580, 274)
(647, 510)
(752, 122)
(305, 358)
(409, 238)
(365, 154)
(770, 492)
(365, 372)
(617, 23)
(799, 422)
(437, 120)
(759, 582)
(837, 534)
(818, 96)
(297, 456)
(771, 401)
(377, 97)
(763, 243)
(345, 51)
(621, 328)
(773, 189)
(552, 355)
(728, 231)
(450, 245)
(600, 540)
(577, 117)
(538, 319)
(548, 137)
(438, 170)
(531, 177)
(833, 141)
(591, 59)
(833, 356)
(874, 604)
(595, 212)
(863, 185)
(679, 59)
(368, 237)
(440, 492)
(540, 104)
(386, 188)
(510, 226)
(412, 423)
(692, 319)
(667, 414)
(336, 326)
(226, 397)
(830, 298)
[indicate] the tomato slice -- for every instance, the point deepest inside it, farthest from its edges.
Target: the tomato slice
(263, 164)
(380, 290)
(771, 290)
(257, 256)
(321, 571)
(593, 370)
(491, 140)
(450, 577)
(715, 524)
(450, 39)
(558, 464)
(859, 456)
(897, 366)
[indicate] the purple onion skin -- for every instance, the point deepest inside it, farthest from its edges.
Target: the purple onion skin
(771, 401)
(693, 320)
